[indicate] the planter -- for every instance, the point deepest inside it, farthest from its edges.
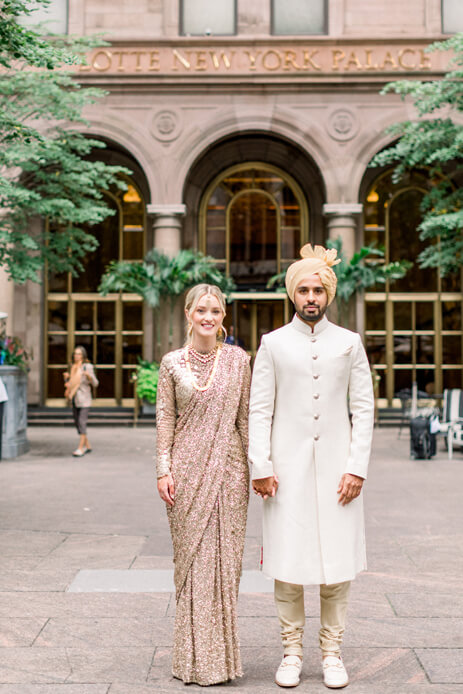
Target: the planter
(148, 407)
(14, 434)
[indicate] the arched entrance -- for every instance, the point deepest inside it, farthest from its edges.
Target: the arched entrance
(413, 326)
(110, 327)
(252, 218)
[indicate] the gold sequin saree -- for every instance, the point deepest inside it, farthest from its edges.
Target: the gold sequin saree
(202, 440)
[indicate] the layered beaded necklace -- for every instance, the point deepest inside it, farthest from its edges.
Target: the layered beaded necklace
(204, 359)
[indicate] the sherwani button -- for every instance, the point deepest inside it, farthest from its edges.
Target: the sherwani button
(315, 356)
(316, 376)
(316, 396)
(316, 437)
(316, 416)
(313, 339)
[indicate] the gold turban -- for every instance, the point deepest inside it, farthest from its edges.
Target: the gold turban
(315, 261)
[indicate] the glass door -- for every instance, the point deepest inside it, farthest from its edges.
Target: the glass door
(110, 328)
(252, 315)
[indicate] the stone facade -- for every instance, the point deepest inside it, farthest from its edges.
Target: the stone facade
(173, 101)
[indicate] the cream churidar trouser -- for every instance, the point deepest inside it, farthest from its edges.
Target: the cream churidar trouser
(289, 599)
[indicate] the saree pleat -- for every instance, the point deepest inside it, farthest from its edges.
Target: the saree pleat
(209, 466)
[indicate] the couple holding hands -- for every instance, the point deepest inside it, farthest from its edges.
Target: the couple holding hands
(305, 424)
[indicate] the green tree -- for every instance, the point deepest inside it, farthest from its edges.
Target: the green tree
(365, 269)
(45, 170)
(434, 141)
(161, 280)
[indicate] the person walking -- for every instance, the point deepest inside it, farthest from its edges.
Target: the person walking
(203, 476)
(309, 461)
(79, 381)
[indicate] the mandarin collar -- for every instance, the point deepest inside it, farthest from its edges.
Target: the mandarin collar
(302, 327)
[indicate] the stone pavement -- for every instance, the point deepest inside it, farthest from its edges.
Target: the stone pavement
(63, 520)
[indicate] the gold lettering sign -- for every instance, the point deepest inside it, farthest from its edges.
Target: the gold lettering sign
(267, 59)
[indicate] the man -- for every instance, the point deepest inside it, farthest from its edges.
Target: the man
(309, 461)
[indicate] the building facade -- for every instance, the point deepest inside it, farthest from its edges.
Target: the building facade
(249, 127)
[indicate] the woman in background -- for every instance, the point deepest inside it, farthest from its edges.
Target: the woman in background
(78, 391)
(202, 438)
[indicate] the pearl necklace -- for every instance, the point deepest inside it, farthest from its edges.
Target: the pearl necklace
(194, 382)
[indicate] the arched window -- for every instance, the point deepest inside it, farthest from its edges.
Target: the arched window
(110, 327)
(253, 222)
(412, 326)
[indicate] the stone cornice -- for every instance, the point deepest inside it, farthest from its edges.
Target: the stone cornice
(166, 210)
(342, 208)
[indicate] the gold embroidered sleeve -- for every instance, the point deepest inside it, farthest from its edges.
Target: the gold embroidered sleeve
(166, 414)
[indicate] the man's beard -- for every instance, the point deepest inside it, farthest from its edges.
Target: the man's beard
(312, 317)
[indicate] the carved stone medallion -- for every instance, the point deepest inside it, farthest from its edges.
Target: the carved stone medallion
(166, 125)
(342, 124)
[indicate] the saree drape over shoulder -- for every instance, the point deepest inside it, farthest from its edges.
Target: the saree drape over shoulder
(202, 440)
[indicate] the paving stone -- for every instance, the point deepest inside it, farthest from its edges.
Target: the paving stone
(106, 632)
(23, 543)
(153, 562)
(19, 632)
(18, 563)
(409, 597)
(54, 688)
(127, 664)
(70, 605)
(427, 604)
(46, 580)
(34, 665)
(99, 551)
(442, 665)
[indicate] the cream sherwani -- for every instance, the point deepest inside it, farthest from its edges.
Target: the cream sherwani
(303, 387)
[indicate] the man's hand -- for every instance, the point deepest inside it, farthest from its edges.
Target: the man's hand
(349, 488)
(265, 487)
(166, 489)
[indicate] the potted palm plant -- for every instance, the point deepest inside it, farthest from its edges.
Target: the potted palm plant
(161, 280)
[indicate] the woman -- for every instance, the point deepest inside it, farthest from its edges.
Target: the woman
(78, 391)
(202, 432)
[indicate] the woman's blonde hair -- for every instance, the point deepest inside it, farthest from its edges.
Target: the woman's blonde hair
(196, 293)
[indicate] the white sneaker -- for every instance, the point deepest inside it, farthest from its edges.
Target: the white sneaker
(334, 673)
(288, 673)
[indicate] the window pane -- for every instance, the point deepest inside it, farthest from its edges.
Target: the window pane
(133, 315)
(53, 16)
(56, 383)
(208, 17)
(452, 16)
(403, 315)
(299, 17)
(253, 239)
(57, 349)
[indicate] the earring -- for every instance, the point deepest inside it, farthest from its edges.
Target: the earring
(190, 328)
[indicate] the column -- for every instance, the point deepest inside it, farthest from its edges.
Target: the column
(342, 222)
(167, 226)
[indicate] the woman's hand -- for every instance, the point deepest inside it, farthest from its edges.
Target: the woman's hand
(66, 375)
(166, 489)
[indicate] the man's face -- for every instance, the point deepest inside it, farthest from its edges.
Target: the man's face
(310, 299)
